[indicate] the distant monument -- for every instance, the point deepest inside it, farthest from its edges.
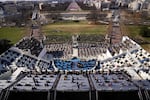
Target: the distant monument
(74, 6)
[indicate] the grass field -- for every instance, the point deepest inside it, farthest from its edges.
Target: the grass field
(134, 31)
(146, 47)
(70, 28)
(14, 34)
(63, 31)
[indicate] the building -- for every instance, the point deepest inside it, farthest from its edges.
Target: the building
(1, 15)
(73, 7)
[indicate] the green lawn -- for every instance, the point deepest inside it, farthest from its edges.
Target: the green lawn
(69, 28)
(134, 31)
(14, 34)
(146, 47)
(63, 31)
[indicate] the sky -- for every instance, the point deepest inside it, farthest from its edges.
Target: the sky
(27, 0)
(21, 0)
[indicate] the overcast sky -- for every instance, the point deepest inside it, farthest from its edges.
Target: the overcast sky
(22, 0)
(30, 0)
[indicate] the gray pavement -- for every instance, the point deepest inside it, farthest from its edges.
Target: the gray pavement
(112, 82)
(73, 83)
(35, 83)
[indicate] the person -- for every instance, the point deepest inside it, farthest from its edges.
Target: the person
(73, 80)
(96, 79)
(65, 77)
(78, 85)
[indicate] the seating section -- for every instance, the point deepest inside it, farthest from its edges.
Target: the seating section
(59, 50)
(135, 56)
(74, 64)
(124, 46)
(118, 62)
(91, 38)
(44, 65)
(27, 61)
(62, 65)
(129, 45)
(87, 50)
(7, 59)
(31, 44)
(87, 64)
(9, 56)
(56, 39)
(142, 56)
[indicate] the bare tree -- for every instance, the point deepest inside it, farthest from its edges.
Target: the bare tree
(93, 16)
(54, 16)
